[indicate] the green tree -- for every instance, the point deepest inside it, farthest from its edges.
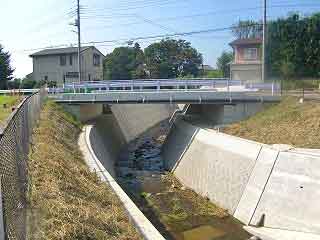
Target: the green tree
(247, 29)
(28, 82)
(124, 63)
(172, 58)
(6, 70)
(14, 84)
(223, 63)
(293, 46)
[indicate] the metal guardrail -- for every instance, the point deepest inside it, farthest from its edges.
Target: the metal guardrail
(14, 149)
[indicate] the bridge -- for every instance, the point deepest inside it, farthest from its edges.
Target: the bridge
(210, 91)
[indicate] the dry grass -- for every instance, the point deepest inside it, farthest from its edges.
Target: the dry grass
(286, 123)
(67, 200)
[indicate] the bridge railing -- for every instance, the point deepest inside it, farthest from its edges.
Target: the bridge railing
(156, 84)
(220, 84)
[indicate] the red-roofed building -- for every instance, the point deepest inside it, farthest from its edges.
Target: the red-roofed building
(247, 64)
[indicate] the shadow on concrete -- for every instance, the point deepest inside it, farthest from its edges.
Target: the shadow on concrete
(176, 145)
(107, 141)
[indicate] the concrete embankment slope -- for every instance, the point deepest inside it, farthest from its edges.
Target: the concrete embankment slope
(99, 156)
(258, 184)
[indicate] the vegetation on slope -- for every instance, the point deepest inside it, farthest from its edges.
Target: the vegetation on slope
(289, 122)
(67, 200)
(6, 104)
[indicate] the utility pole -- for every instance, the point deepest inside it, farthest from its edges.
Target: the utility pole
(79, 39)
(264, 40)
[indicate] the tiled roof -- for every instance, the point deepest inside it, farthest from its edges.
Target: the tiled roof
(57, 51)
(246, 41)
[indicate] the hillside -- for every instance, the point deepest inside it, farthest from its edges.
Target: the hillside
(288, 122)
(68, 201)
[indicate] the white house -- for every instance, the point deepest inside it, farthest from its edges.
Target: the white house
(61, 65)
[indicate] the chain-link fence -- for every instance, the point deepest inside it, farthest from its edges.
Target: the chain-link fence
(14, 149)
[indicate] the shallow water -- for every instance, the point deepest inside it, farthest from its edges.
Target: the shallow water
(177, 212)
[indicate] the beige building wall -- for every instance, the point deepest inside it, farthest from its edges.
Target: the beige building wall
(49, 66)
(250, 73)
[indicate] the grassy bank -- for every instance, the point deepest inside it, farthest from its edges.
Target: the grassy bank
(6, 104)
(67, 201)
(288, 122)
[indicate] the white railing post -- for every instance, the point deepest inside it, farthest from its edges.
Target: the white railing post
(228, 85)
(272, 88)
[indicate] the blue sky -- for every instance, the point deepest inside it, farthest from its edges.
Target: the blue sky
(36, 23)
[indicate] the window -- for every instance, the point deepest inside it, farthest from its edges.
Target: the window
(63, 60)
(72, 75)
(96, 60)
(46, 78)
(70, 60)
(250, 54)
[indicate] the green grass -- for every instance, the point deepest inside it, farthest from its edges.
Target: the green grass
(288, 122)
(6, 104)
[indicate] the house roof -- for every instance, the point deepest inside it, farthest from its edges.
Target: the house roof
(58, 51)
(246, 41)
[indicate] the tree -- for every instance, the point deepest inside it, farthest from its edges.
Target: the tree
(6, 70)
(172, 58)
(223, 63)
(293, 46)
(124, 63)
(247, 29)
(14, 84)
(28, 82)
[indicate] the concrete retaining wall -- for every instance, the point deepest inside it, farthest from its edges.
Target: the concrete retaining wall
(84, 112)
(107, 141)
(259, 184)
(213, 164)
(217, 115)
(135, 119)
(292, 194)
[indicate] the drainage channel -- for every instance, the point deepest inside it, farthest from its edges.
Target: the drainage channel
(177, 212)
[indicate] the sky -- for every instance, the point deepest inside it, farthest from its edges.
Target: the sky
(26, 26)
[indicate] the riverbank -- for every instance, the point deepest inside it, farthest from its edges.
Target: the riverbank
(67, 201)
(176, 211)
(289, 122)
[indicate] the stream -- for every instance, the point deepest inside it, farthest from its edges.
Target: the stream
(176, 211)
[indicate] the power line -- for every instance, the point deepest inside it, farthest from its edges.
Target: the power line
(137, 6)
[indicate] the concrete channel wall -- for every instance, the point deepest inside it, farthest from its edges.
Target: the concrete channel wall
(258, 184)
(99, 156)
(135, 119)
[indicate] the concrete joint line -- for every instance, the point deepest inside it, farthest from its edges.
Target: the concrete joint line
(255, 163)
(184, 151)
(143, 225)
(264, 188)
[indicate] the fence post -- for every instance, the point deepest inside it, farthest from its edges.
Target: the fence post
(2, 219)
